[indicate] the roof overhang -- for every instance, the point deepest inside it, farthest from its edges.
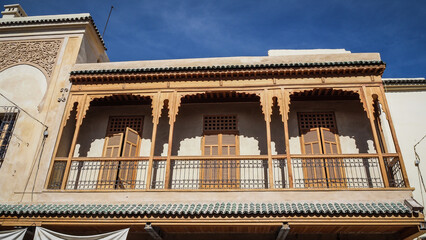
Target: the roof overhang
(404, 84)
(14, 25)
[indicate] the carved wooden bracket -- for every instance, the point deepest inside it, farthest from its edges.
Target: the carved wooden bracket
(174, 104)
(267, 104)
(89, 99)
(74, 99)
(376, 93)
(156, 106)
(283, 101)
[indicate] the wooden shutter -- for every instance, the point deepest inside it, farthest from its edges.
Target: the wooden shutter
(319, 136)
(107, 174)
(211, 145)
(313, 168)
(112, 147)
(128, 169)
(312, 141)
(131, 142)
(220, 139)
(334, 166)
(122, 140)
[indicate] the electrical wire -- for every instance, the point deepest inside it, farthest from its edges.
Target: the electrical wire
(417, 163)
(44, 125)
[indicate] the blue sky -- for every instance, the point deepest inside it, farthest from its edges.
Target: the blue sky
(170, 29)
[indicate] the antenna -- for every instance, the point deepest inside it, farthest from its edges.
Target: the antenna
(106, 24)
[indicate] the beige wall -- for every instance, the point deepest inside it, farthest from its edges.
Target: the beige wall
(352, 124)
(408, 115)
(35, 90)
(91, 138)
(189, 127)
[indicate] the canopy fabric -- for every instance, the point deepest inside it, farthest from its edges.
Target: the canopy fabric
(46, 234)
(17, 234)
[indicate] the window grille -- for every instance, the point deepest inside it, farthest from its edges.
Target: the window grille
(314, 120)
(220, 123)
(8, 118)
(119, 124)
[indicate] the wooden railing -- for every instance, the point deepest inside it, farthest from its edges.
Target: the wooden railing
(229, 172)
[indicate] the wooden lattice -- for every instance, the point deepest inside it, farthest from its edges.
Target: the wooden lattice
(220, 123)
(315, 120)
(119, 124)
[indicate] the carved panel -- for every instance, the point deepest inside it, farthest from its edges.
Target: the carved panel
(41, 53)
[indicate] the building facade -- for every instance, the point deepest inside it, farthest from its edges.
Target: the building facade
(285, 146)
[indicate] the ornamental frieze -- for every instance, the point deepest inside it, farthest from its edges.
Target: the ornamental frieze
(41, 53)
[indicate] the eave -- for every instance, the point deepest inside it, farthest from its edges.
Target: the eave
(228, 72)
(51, 21)
(404, 84)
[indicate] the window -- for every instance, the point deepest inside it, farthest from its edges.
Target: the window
(220, 139)
(7, 123)
(122, 140)
(319, 136)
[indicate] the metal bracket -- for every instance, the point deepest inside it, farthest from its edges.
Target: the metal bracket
(155, 234)
(62, 98)
(282, 234)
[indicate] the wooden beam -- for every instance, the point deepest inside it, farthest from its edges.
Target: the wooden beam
(285, 111)
(157, 105)
(72, 99)
(265, 101)
(394, 138)
(174, 103)
(82, 107)
(284, 230)
(368, 100)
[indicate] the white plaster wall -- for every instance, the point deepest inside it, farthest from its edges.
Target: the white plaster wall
(91, 138)
(25, 85)
(353, 125)
(409, 117)
(89, 52)
(188, 131)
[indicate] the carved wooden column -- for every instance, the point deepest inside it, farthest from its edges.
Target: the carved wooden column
(365, 97)
(72, 99)
(384, 102)
(157, 105)
(174, 103)
(285, 109)
(267, 103)
(82, 107)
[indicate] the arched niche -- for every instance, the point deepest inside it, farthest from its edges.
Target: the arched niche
(25, 85)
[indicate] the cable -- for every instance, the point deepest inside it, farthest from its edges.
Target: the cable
(109, 15)
(415, 151)
(38, 166)
(44, 125)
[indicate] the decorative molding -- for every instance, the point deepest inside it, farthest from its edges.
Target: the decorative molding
(41, 53)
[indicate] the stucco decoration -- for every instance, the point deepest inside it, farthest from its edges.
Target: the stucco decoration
(40, 53)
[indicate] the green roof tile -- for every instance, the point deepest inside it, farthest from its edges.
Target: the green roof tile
(197, 68)
(223, 208)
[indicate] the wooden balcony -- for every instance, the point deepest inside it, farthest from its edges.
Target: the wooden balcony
(349, 171)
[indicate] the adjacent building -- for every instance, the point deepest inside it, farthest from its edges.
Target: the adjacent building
(293, 145)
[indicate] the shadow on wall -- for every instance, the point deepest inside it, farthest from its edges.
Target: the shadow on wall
(162, 138)
(93, 129)
(277, 132)
(187, 136)
(353, 126)
(90, 142)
